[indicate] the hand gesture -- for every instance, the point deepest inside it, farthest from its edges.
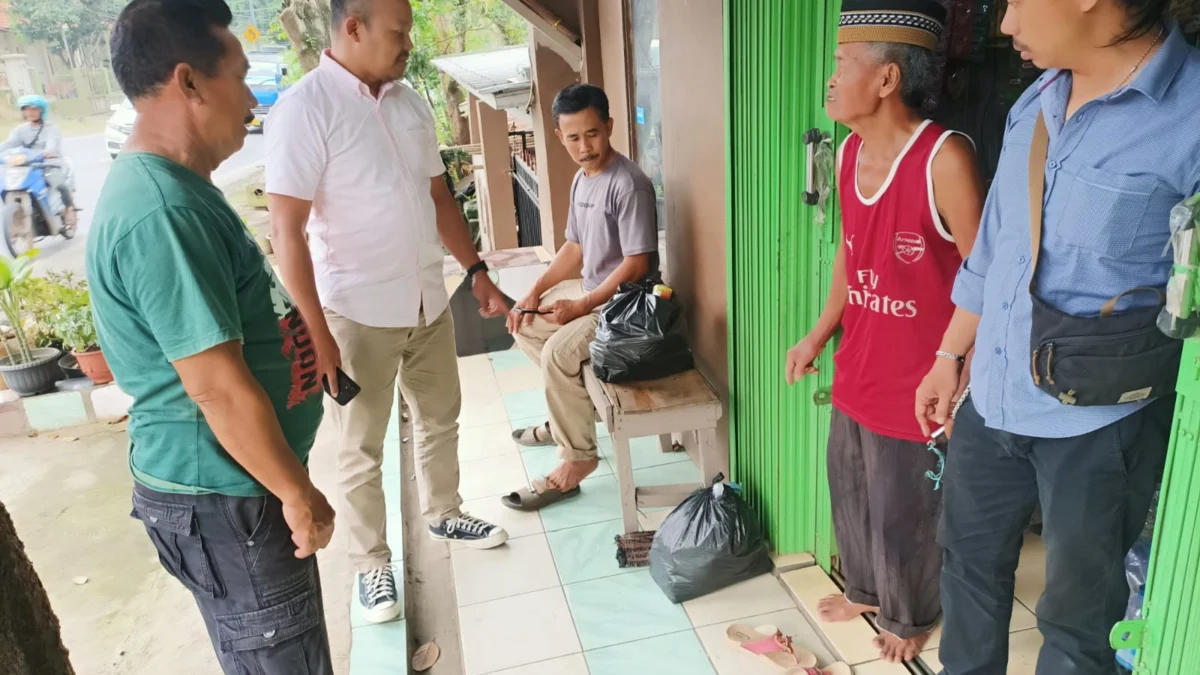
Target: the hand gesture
(517, 318)
(329, 357)
(491, 301)
(310, 518)
(800, 359)
(935, 395)
(563, 312)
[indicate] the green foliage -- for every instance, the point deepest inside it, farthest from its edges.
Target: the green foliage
(55, 305)
(86, 20)
(14, 274)
(444, 27)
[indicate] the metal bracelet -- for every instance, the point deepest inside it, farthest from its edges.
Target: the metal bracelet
(953, 357)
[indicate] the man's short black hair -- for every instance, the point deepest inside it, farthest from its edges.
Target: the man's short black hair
(1144, 16)
(579, 97)
(340, 9)
(152, 37)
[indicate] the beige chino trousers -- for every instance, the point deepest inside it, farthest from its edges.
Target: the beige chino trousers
(427, 364)
(561, 352)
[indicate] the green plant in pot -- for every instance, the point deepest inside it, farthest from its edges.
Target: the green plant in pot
(74, 325)
(26, 368)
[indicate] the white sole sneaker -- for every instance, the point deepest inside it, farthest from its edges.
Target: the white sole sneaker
(496, 539)
(383, 614)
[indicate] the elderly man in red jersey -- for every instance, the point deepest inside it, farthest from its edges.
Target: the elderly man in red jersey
(911, 200)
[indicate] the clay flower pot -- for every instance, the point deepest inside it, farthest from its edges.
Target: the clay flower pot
(94, 365)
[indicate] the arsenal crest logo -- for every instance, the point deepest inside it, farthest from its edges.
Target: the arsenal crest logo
(910, 247)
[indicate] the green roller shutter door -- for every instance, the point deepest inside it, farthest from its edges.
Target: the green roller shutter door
(778, 57)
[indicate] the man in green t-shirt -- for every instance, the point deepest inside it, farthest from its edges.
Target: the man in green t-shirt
(219, 362)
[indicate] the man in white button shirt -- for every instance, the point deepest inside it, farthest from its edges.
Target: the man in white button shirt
(353, 163)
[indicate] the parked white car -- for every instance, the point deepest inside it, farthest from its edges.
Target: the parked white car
(117, 130)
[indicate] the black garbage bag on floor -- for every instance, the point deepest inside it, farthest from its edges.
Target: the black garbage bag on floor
(710, 541)
(640, 336)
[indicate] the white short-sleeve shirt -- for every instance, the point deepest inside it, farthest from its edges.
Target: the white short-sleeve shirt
(365, 163)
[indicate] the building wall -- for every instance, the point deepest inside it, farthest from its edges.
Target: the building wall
(612, 58)
(693, 128)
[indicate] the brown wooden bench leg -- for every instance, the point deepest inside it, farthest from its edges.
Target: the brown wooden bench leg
(629, 514)
(666, 443)
(710, 461)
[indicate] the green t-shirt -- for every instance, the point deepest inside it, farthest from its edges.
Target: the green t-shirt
(173, 272)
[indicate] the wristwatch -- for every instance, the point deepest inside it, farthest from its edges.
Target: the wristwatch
(478, 267)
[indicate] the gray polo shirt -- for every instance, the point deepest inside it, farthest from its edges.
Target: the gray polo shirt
(613, 214)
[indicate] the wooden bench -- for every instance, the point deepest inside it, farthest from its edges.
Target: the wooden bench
(683, 404)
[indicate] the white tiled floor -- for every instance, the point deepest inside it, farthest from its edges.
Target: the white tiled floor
(554, 602)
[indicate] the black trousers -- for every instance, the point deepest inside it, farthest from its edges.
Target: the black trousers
(885, 514)
(1094, 492)
(261, 604)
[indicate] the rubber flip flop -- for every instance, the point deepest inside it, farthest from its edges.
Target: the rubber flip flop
(834, 669)
(526, 499)
(528, 436)
(767, 643)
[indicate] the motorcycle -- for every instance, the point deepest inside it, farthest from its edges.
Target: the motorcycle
(31, 208)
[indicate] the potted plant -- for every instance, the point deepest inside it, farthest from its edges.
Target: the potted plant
(28, 369)
(75, 326)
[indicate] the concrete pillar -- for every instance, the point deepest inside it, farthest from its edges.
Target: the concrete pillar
(497, 175)
(613, 50)
(555, 168)
(589, 20)
(473, 118)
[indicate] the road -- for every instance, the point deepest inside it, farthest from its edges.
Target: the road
(91, 161)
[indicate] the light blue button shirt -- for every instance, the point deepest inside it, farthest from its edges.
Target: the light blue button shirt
(1113, 173)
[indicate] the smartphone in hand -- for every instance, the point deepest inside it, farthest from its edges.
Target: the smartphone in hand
(347, 388)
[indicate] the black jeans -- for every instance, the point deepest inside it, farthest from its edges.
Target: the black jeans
(261, 604)
(1094, 492)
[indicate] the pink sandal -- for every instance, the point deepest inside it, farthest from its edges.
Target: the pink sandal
(766, 642)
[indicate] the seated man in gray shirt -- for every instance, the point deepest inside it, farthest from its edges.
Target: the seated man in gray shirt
(612, 238)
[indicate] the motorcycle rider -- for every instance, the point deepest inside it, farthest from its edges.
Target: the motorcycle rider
(41, 136)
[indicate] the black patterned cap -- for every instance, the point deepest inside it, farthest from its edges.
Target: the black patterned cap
(911, 22)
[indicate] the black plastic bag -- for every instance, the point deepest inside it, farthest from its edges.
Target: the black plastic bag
(640, 337)
(710, 541)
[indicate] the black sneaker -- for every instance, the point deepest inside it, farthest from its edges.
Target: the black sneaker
(471, 531)
(377, 594)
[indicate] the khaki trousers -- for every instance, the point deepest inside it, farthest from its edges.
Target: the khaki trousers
(561, 352)
(427, 364)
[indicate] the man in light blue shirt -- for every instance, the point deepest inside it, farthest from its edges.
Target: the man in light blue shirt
(1120, 82)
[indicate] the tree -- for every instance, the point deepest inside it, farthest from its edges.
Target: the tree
(440, 28)
(444, 27)
(306, 23)
(87, 23)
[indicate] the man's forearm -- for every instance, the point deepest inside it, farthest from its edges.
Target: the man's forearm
(454, 234)
(960, 334)
(244, 421)
(835, 303)
(632, 268)
(296, 269)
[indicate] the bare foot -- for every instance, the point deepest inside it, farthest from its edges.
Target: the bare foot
(568, 475)
(836, 609)
(895, 650)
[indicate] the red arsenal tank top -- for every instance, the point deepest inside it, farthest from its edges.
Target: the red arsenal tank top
(900, 266)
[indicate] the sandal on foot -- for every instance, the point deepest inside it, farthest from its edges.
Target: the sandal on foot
(528, 499)
(833, 669)
(766, 642)
(534, 437)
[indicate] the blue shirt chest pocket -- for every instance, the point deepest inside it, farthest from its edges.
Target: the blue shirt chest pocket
(1113, 214)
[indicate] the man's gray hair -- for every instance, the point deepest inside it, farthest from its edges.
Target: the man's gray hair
(918, 70)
